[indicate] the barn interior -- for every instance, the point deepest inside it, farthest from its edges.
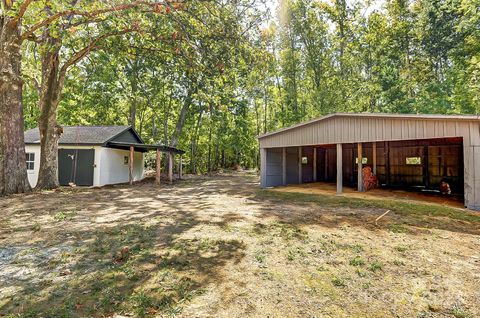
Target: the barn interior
(412, 165)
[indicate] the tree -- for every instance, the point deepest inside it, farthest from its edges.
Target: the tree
(13, 169)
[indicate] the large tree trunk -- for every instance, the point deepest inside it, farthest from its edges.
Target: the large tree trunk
(50, 92)
(13, 168)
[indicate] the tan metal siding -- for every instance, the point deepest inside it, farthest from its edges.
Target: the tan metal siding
(363, 129)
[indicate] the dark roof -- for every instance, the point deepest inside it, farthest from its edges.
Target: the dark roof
(143, 147)
(120, 137)
(86, 135)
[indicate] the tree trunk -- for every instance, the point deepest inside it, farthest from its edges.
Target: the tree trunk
(50, 92)
(182, 118)
(13, 167)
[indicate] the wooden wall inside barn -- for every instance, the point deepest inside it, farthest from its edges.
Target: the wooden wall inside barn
(440, 159)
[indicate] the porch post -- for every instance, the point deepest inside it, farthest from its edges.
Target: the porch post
(284, 166)
(374, 158)
(170, 167)
(359, 167)
(158, 170)
(130, 165)
(300, 165)
(180, 168)
(314, 164)
(339, 170)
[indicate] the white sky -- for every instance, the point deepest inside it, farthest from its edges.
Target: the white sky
(373, 5)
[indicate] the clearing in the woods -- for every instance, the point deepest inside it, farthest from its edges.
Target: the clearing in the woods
(221, 247)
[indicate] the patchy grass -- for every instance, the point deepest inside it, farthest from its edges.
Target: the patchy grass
(375, 266)
(357, 261)
(218, 247)
(396, 206)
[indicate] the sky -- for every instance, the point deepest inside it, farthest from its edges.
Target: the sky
(374, 5)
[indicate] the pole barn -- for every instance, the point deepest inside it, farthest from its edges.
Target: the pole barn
(402, 150)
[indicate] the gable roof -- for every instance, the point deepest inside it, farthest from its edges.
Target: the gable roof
(378, 115)
(84, 135)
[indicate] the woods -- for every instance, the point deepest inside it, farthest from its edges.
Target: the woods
(209, 76)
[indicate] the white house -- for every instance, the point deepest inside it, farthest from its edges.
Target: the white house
(90, 155)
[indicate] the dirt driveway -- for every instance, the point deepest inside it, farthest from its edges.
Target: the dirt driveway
(220, 247)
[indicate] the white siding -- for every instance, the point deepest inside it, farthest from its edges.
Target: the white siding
(33, 174)
(109, 167)
(113, 170)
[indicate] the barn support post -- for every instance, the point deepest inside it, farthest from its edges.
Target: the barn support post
(374, 157)
(387, 163)
(339, 170)
(170, 167)
(284, 166)
(314, 164)
(359, 167)
(326, 164)
(158, 161)
(130, 165)
(263, 167)
(300, 165)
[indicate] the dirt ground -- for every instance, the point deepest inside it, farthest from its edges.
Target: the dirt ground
(221, 247)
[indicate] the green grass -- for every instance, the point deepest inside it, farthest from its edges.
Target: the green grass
(398, 207)
(64, 215)
(338, 282)
(459, 312)
(357, 261)
(375, 266)
(398, 228)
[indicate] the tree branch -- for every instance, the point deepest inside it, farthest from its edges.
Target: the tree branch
(21, 12)
(87, 49)
(28, 33)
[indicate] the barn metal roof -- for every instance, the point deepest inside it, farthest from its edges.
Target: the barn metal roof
(80, 135)
(379, 115)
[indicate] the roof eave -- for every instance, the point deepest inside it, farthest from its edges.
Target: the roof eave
(384, 115)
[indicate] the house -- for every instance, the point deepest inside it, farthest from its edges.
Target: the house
(422, 152)
(95, 155)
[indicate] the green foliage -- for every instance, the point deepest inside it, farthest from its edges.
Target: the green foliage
(234, 77)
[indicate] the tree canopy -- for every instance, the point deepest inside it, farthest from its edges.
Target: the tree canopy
(209, 76)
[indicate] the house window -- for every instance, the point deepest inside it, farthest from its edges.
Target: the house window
(30, 160)
(304, 160)
(413, 160)
(125, 160)
(364, 160)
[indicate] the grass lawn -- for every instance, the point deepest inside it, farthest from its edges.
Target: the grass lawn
(221, 247)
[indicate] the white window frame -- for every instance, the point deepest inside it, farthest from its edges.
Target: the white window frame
(30, 160)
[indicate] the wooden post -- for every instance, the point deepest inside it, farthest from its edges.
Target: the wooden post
(326, 164)
(387, 163)
(170, 167)
(180, 168)
(158, 170)
(284, 166)
(314, 164)
(300, 165)
(339, 170)
(359, 167)
(130, 165)
(374, 158)
(263, 167)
